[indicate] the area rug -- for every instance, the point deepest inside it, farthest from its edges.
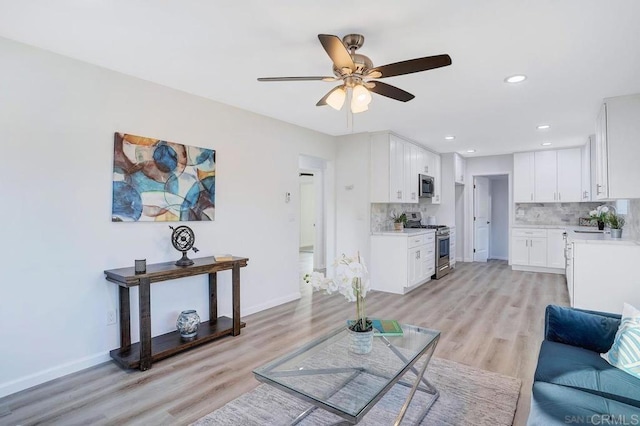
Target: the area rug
(468, 396)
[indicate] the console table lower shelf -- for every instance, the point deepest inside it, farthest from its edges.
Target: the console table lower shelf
(168, 344)
(148, 350)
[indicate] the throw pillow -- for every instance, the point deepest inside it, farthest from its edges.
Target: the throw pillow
(625, 352)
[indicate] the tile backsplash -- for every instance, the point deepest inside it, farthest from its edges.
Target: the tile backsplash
(632, 225)
(381, 213)
(552, 213)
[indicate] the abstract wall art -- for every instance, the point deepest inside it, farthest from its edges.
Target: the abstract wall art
(161, 181)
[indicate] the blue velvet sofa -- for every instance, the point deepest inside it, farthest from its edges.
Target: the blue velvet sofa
(573, 384)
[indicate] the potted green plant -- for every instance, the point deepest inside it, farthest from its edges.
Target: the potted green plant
(399, 221)
(616, 223)
(352, 281)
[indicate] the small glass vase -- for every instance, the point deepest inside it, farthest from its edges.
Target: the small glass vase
(360, 342)
(187, 324)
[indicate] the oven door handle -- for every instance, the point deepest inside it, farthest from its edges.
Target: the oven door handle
(443, 268)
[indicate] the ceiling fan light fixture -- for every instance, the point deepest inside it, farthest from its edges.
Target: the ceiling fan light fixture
(361, 95)
(356, 108)
(336, 98)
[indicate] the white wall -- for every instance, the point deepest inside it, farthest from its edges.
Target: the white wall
(353, 213)
(499, 218)
(58, 117)
(483, 166)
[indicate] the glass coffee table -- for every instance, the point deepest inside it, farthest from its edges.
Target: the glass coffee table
(327, 375)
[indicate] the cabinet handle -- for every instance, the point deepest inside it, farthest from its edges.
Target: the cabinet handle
(413, 195)
(554, 196)
(559, 196)
(418, 254)
(598, 186)
(399, 195)
(584, 195)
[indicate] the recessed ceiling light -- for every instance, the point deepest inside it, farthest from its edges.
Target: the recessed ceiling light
(450, 138)
(543, 127)
(518, 78)
(546, 143)
(470, 151)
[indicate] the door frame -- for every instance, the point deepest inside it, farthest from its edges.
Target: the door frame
(323, 184)
(469, 237)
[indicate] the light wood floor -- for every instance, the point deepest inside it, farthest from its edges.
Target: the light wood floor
(490, 318)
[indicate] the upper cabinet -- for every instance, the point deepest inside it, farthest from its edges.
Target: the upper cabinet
(396, 164)
(548, 176)
(437, 181)
(585, 157)
(427, 162)
(459, 166)
(618, 148)
(523, 177)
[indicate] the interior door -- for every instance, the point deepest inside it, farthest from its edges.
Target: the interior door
(481, 215)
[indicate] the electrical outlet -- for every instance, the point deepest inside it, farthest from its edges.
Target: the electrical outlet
(111, 317)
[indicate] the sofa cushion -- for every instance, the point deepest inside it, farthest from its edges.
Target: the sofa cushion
(585, 370)
(559, 405)
(587, 329)
(625, 351)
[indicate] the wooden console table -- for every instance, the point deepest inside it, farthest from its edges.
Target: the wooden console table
(143, 354)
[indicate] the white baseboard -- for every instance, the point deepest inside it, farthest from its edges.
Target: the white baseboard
(271, 303)
(538, 269)
(40, 377)
(498, 257)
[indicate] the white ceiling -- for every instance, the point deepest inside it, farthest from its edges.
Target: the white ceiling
(575, 53)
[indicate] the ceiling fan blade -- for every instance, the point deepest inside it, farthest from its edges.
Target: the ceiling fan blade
(411, 66)
(390, 91)
(337, 52)
(297, 79)
(323, 101)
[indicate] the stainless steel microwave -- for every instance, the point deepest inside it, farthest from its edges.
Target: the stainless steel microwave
(425, 185)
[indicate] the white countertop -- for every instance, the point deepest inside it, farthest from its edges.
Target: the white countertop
(407, 232)
(548, 226)
(587, 238)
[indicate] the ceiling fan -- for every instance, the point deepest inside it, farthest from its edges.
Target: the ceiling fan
(358, 75)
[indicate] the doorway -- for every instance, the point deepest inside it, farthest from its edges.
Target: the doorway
(312, 241)
(490, 218)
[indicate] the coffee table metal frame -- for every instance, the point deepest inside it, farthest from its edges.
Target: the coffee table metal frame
(267, 375)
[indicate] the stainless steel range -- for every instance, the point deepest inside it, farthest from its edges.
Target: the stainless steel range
(414, 220)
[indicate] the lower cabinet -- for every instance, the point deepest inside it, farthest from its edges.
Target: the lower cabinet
(605, 276)
(534, 248)
(401, 262)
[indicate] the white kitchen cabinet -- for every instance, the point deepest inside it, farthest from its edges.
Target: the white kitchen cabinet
(555, 248)
(618, 148)
(585, 168)
(411, 172)
(569, 162)
(529, 247)
(394, 177)
(401, 262)
(537, 249)
(523, 177)
(605, 276)
(428, 163)
(546, 177)
(459, 166)
(437, 180)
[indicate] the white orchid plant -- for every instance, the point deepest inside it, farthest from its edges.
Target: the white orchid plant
(599, 213)
(352, 281)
